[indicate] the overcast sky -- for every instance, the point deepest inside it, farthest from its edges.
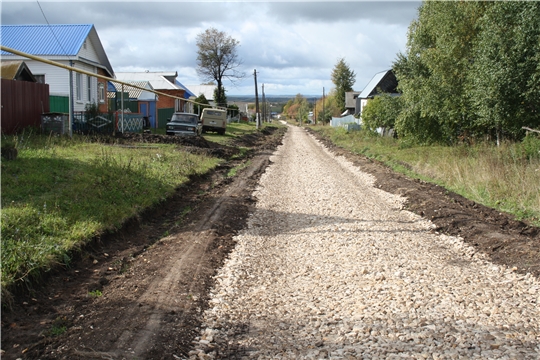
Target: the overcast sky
(292, 45)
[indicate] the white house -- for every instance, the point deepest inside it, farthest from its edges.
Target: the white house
(206, 90)
(382, 82)
(76, 45)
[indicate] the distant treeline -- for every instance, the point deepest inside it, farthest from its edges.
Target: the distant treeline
(471, 70)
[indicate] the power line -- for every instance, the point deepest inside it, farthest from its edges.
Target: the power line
(50, 28)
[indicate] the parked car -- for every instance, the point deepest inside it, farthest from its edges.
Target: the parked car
(184, 124)
(214, 120)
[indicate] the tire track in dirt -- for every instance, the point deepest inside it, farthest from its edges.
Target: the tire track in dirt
(153, 276)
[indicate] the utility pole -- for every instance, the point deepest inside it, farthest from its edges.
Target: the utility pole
(256, 100)
(263, 105)
(323, 113)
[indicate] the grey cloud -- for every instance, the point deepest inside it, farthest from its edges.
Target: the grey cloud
(116, 14)
(389, 12)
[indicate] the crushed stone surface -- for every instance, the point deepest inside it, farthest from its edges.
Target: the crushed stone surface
(330, 267)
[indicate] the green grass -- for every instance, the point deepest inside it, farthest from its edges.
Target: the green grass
(233, 131)
(505, 177)
(95, 293)
(59, 193)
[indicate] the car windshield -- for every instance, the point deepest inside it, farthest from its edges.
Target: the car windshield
(184, 118)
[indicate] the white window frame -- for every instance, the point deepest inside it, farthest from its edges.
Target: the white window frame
(101, 92)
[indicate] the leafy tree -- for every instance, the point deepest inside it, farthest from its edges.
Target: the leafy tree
(505, 77)
(381, 112)
(217, 58)
(432, 74)
(330, 108)
(201, 103)
(220, 96)
(343, 78)
(303, 112)
(295, 108)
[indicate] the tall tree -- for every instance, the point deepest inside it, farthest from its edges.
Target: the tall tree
(343, 78)
(505, 76)
(432, 74)
(217, 58)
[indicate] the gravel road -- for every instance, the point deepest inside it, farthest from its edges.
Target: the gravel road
(329, 266)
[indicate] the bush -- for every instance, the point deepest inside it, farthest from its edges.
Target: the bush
(531, 146)
(381, 112)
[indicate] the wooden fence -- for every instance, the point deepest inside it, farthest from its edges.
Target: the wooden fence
(23, 103)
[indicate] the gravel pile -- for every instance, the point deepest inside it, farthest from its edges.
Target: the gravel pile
(332, 267)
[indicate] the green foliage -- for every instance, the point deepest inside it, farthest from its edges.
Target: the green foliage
(201, 99)
(61, 192)
(95, 293)
(220, 98)
(381, 112)
(343, 78)
(327, 107)
(471, 71)
(297, 108)
(433, 73)
(531, 146)
(505, 77)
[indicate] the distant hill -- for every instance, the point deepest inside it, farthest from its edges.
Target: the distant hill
(270, 98)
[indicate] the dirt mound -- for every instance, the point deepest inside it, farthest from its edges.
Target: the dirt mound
(505, 240)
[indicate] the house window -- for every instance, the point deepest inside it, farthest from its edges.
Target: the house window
(89, 88)
(40, 78)
(101, 92)
(78, 86)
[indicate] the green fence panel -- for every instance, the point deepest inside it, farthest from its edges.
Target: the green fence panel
(163, 116)
(59, 104)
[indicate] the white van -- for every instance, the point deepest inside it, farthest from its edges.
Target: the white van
(214, 120)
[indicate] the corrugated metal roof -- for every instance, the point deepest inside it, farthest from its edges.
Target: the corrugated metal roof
(58, 40)
(158, 80)
(134, 93)
(385, 80)
(372, 85)
(207, 90)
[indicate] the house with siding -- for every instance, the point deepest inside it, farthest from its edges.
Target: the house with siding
(145, 100)
(76, 45)
(382, 82)
(164, 82)
(204, 89)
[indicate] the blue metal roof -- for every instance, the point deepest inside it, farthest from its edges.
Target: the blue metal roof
(111, 87)
(56, 40)
(188, 93)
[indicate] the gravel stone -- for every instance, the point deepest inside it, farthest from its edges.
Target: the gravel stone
(329, 266)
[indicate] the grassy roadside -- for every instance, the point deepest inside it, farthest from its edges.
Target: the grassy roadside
(505, 178)
(234, 130)
(61, 192)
